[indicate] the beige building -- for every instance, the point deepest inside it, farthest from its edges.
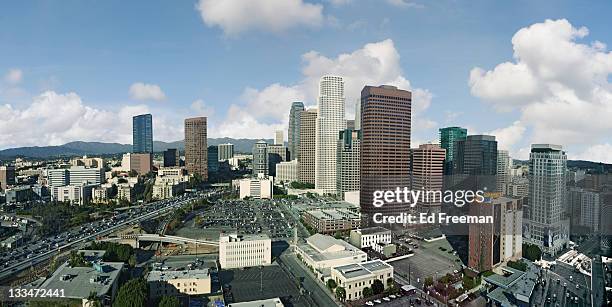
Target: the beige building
(126, 192)
(331, 220)
(322, 252)
(169, 182)
(308, 130)
(100, 194)
(287, 172)
(172, 283)
(427, 164)
(196, 147)
(357, 276)
(141, 163)
(87, 162)
(240, 251)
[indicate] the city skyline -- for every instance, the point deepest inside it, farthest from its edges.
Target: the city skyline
(510, 96)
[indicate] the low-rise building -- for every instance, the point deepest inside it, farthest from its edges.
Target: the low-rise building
(259, 188)
(331, 220)
(127, 193)
(271, 302)
(172, 283)
(357, 276)
(169, 183)
(368, 237)
(12, 242)
(100, 194)
(101, 278)
(239, 251)
(514, 287)
(75, 194)
(322, 252)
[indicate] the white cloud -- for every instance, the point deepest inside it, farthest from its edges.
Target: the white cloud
(559, 85)
(236, 16)
(13, 76)
(508, 136)
(144, 91)
(202, 109)
(598, 153)
(261, 111)
(62, 118)
(405, 3)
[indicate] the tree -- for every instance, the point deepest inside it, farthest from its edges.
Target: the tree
(377, 286)
(169, 301)
(331, 284)
(389, 282)
(428, 281)
(132, 261)
(532, 252)
(341, 293)
(133, 293)
(367, 292)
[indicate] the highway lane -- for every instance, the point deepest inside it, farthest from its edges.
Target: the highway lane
(18, 267)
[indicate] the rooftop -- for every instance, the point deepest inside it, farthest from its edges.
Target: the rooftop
(271, 302)
(79, 282)
(373, 230)
(362, 269)
(185, 274)
(517, 284)
(232, 237)
(334, 214)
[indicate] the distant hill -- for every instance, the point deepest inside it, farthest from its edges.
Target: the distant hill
(80, 148)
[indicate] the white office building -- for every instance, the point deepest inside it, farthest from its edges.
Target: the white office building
(83, 175)
(226, 151)
(330, 121)
(322, 252)
(369, 237)
(355, 277)
(504, 164)
(240, 251)
(279, 137)
(287, 172)
(260, 187)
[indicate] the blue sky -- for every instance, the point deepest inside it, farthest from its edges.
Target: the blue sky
(67, 67)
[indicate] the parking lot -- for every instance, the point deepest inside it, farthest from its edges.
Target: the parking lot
(243, 216)
(564, 287)
(430, 259)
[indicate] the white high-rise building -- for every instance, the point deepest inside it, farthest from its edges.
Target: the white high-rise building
(504, 164)
(545, 225)
(239, 251)
(330, 121)
(226, 151)
(279, 137)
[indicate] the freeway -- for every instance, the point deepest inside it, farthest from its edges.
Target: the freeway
(72, 239)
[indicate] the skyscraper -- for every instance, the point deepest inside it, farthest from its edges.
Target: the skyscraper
(504, 163)
(330, 121)
(349, 148)
(213, 159)
(385, 146)
(448, 136)
(142, 133)
(279, 137)
(196, 151)
(226, 151)
(260, 158)
(427, 163)
(545, 224)
(306, 158)
(297, 107)
(7, 176)
(475, 160)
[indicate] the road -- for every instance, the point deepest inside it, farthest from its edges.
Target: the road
(14, 269)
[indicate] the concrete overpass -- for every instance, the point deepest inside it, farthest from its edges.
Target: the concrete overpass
(135, 240)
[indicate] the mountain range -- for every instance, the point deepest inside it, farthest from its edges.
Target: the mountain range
(80, 148)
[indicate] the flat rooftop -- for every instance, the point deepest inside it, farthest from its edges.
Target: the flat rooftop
(334, 214)
(183, 274)
(362, 269)
(272, 302)
(373, 230)
(79, 282)
(246, 237)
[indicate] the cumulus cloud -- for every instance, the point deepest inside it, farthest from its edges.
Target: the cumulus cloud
(558, 84)
(599, 153)
(236, 16)
(62, 118)
(13, 76)
(144, 91)
(267, 109)
(202, 109)
(404, 3)
(508, 136)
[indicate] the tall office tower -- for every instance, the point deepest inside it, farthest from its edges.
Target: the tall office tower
(493, 243)
(226, 151)
(385, 146)
(142, 133)
(196, 151)
(7, 176)
(279, 137)
(349, 149)
(213, 159)
(448, 137)
(545, 225)
(293, 137)
(330, 121)
(427, 164)
(584, 208)
(504, 164)
(475, 160)
(306, 158)
(358, 115)
(171, 157)
(260, 158)
(605, 243)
